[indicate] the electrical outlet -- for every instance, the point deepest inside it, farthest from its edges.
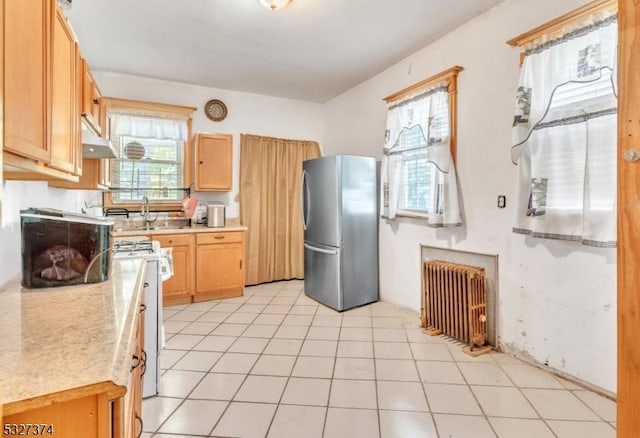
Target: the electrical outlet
(502, 201)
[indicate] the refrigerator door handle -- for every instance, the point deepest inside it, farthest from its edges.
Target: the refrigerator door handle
(303, 185)
(322, 250)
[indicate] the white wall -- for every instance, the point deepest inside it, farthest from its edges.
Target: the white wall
(247, 114)
(557, 301)
(20, 195)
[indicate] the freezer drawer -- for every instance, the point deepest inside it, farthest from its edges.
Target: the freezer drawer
(322, 275)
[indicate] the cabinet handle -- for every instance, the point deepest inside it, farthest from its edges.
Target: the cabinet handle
(218, 237)
(146, 284)
(240, 264)
(137, 362)
(139, 418)
(201, 162)
(96, 102)
(170, 241)
(144, 363)
(143, 307)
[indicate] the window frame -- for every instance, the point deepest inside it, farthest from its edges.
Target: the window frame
(144, 108)
(449, 75)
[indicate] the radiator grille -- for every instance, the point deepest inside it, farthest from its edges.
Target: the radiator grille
(455, 301)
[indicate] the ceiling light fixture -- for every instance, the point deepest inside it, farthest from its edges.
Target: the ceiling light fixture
(274, 5)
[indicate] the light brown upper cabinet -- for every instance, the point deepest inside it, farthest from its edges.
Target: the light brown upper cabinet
(91, 100)
(26, 78)
(213, 158)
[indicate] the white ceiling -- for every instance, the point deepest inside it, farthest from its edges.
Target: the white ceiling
(312, 50)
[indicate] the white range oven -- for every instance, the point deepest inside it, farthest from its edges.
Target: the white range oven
(153, 330)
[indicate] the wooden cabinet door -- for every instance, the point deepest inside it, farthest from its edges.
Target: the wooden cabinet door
(213, 153)
(90, 100)
(27, 27)
(177, 289)
(219, 271)
(64, 137)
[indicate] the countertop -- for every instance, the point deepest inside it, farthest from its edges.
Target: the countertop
(56, 343)
(185, 230)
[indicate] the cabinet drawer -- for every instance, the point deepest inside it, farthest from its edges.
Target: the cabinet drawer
(173, 239)
(206, 238)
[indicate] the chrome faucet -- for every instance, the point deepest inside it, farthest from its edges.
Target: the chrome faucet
(146, 215)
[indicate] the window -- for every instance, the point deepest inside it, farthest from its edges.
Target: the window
(418, 172)
(152, 155)
(565, 130)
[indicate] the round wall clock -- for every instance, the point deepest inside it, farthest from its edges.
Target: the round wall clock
(215, 110)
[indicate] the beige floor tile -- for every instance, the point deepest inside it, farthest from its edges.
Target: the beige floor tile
(241, 318)
(351, 423)
(300, 320)
(395, 424)
(353, 394)
(302, 309)
(186, 315)
(313, 347)
(456, 350)
(291, 332)
(252, 308)
(258, 300)
(401, 396)
(304, 391)
(235, 422)
(269, 319)
(558, 404)
(319, 367)
(391, 350)
(261, 389)
(298, 421)
(569, 385)
(582, 429)
(386, 322)
(183, 342)
(227, 329)
(527, 376)
(215, 386)
(226, 307)
(354, 368)
(268, 365)
(236, 363)
(199, 328)
(389, 335)
(194, 417)
(424, 351)
(463, 426)
(602, 406)
(451, 399)
(168, 358)
(399, 370)
(304, 300)
(356, 334)
(356, 321)
(214, 316)
(327, 321)
(171, 327)
(260, 331)
(168, 312)
(503, 358)
(248, 345)
(215, 343)
(439, 372)
(198, 361)
(382, 308)
(325, 310)
(289, 347)
(418, 336)
(326, 333)
(277, 308)
(176, 383)
(355, 349)
(157, 409)
(520, 428)
(484, 374)
(358, 311)
(283, 300)
(499, 401)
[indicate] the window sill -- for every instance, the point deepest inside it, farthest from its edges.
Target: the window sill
(411, 215)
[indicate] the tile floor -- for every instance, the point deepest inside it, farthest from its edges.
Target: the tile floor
(274, 363)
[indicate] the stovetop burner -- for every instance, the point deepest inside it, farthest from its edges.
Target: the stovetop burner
(132, 246)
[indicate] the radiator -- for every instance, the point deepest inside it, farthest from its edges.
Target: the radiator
(455, 301)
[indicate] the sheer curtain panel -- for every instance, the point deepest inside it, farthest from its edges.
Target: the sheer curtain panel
(565, 135)
(270, 173)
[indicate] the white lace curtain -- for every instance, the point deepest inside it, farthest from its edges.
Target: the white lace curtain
(565, 136)
(428, 110)
(148, 127)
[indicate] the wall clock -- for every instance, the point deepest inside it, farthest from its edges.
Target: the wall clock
(215, 110)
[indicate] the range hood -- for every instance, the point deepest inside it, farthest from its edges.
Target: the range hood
(96, 147)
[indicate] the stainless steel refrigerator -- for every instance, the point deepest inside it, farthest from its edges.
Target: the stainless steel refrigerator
(340, 221)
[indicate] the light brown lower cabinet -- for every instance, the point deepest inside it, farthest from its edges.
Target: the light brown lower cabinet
(219, 265)
(99, 411)
(178, 289)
